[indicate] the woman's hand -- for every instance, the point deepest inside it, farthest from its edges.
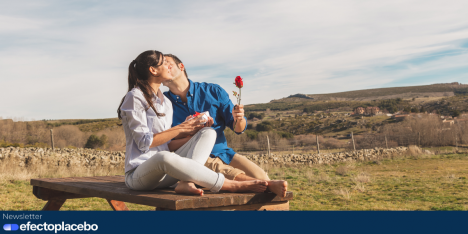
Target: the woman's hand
(190, 126)
(210, 122)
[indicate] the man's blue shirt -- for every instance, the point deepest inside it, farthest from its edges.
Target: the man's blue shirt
(207, 97)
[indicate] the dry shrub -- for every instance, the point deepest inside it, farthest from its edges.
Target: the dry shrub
(283, 145)
(323, 177)
(451, 176)
(346, 169)
(342, 170)
(251, 146)
(26, 133)
(360, 187)
(307, 140)
(360, 178)
(235, 141)
(115, 139)
(333, 143)
(69, 135)
(273, 137)
(10, 170)
(344, 193)
(309, 175)
(426, 130)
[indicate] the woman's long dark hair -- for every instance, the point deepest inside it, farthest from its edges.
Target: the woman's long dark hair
(138, 75)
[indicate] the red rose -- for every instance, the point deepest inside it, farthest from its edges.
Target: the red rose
(239, 83)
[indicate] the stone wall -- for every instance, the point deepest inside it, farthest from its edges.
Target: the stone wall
(331, 158)
(62, 157)
(25, 157)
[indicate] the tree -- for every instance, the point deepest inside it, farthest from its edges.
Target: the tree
(96, 142)
(422, 110)
(264, 126)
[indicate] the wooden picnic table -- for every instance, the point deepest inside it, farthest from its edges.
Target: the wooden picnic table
(112, 188)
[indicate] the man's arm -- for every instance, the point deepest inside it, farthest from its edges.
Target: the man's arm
(230, 113)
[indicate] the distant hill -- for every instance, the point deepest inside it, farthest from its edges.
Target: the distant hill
(434, 90)
(351, 99)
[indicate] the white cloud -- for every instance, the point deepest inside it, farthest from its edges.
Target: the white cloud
(69, 60)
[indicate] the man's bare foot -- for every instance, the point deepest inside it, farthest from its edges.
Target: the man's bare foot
(278, 187)
(256, 186)
(188, 188)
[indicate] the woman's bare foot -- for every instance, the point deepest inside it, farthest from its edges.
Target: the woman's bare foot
(188, 188)
(278, 187)
(256, 186)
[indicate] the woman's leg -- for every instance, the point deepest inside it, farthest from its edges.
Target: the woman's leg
(198, 148)
(148, 175)
(152, 172)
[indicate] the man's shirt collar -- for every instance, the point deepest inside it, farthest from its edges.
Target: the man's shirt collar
(191, 90)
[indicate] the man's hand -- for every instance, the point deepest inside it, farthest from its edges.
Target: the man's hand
(238, 112)
(238, 115)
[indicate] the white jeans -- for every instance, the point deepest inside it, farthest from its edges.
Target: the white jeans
(164, 168)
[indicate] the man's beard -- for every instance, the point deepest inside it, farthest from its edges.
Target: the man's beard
(167, 82)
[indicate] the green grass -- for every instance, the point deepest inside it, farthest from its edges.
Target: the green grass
(17, 195)
(430, 183)
(436, 183)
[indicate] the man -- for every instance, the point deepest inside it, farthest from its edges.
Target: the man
(188, 97)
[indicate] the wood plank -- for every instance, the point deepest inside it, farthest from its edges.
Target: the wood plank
(98, 187)
(54, 204)
(117, 205)
(49, 194)
(90, 189)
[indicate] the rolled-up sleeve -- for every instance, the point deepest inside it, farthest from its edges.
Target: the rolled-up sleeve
(226, 108)
(134, 113)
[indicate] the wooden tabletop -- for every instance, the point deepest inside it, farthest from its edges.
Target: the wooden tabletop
(113, 187)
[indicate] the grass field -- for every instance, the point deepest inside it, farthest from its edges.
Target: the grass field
(416, 183)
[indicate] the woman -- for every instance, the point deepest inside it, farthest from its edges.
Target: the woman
(146, 118)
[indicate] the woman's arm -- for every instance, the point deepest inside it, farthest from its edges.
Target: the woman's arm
(187, 126)
(133, 110)
(176, 144)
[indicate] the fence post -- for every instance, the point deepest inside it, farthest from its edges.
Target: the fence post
(268, 141)
(419, 139)
(386, 143)
(352, 137)
(52, 138)
(318, 145)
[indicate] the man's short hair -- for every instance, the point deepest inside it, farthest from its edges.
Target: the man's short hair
(177, 62)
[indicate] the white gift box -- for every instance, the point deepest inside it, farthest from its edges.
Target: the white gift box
(203, 117)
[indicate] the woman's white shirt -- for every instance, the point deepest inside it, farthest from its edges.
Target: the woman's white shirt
(140, 124)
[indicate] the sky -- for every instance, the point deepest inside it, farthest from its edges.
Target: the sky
(69, 59)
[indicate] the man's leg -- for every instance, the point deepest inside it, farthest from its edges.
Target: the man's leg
(217, 165)
(279, 187)
(250, 168)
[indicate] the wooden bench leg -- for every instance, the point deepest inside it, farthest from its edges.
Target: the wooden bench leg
(117, 205)
(54, 204)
